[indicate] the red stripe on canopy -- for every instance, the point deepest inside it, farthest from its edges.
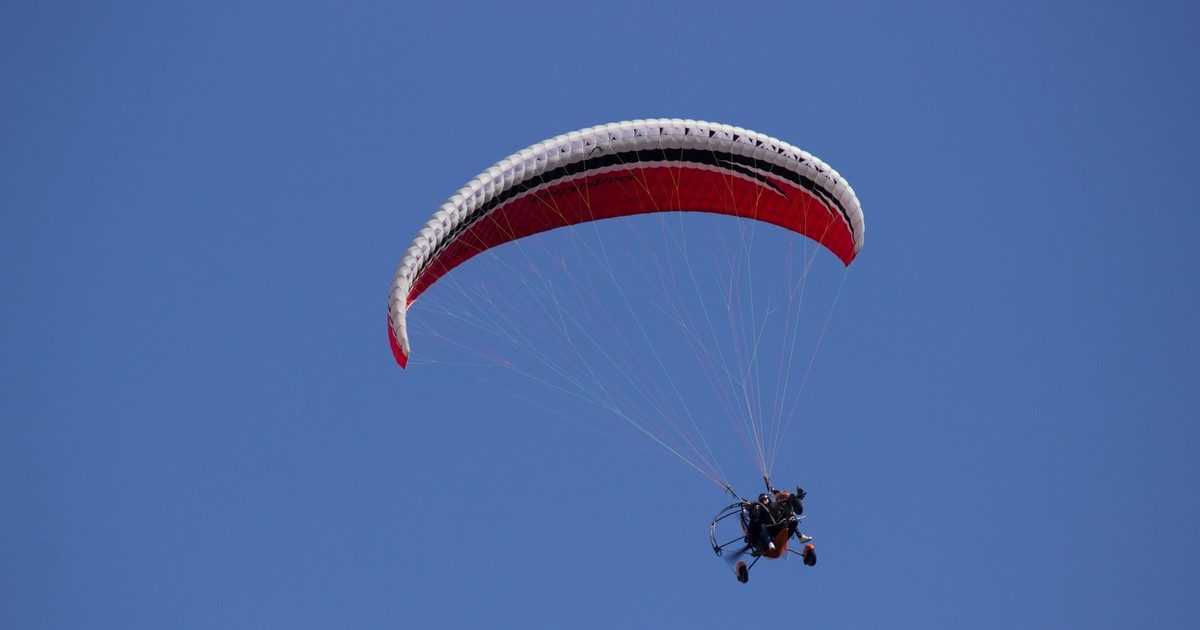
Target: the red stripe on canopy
(642, 190)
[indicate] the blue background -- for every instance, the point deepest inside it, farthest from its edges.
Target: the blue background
(201, 425)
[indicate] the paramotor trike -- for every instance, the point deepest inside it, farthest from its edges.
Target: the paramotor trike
(731, 538)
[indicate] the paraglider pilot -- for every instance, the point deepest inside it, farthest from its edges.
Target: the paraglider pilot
(760, 519)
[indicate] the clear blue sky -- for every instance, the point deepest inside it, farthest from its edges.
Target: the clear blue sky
(201, 424)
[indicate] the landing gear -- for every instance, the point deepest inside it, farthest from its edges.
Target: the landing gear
(809, 554)
(743, 573)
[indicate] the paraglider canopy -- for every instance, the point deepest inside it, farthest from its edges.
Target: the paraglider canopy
(622, 169)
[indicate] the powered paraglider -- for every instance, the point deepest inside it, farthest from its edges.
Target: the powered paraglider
(648, 168)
